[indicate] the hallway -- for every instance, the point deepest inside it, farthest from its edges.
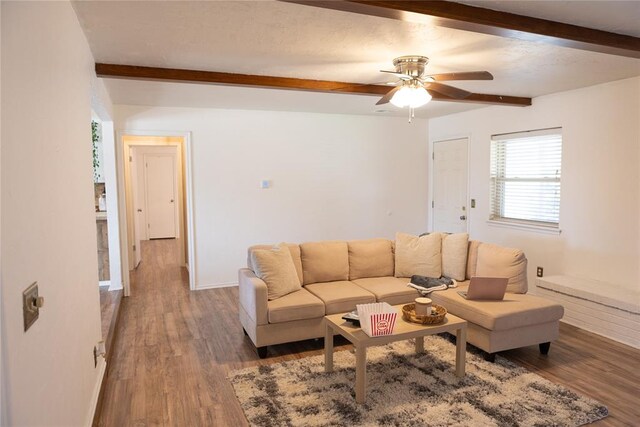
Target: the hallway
(174, 348)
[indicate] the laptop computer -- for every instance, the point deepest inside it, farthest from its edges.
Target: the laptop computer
(485, 288)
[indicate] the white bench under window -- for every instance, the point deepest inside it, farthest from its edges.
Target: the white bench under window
(599, 307)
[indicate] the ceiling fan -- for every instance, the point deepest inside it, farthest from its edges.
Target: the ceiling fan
(413, 88)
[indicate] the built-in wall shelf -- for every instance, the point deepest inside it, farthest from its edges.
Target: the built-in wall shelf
(102, 237)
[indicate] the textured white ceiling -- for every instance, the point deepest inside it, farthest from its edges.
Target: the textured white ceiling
(622, 17)
(282, 39)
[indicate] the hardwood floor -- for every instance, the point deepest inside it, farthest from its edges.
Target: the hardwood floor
(109, 308)
(174, 348)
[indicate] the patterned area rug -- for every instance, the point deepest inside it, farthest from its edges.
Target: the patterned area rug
(406, 389)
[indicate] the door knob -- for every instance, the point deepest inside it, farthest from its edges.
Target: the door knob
(463, 217)
(139, 210)
(171, 201)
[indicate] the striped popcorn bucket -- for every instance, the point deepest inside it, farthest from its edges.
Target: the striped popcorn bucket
(377, 319)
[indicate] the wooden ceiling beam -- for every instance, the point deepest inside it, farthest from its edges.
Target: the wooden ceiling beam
(486, 21)
(134, 72)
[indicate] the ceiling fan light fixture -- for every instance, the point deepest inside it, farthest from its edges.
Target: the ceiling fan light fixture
(411, 95)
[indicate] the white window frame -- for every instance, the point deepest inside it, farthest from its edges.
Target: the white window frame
(525, 224)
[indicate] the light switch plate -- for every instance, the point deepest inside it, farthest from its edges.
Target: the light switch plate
(30, 312)
(265, 183)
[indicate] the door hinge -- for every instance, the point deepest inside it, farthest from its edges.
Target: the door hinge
(433, 156)
(130, 158)
(433, 204)
(148, 225)
(134, 248)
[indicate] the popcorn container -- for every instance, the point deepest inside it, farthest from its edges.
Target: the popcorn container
(377, 319)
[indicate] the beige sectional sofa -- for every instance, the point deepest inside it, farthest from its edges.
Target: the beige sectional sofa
(336, 275)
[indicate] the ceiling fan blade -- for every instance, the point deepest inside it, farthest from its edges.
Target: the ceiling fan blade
(399, 75)
(469, 75)
(388, 96)
(451, 91)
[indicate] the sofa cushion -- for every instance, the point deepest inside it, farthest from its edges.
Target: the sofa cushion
(275, 267)
(370, 258)
(472, 258)
(393, 290)
(341, 296)
(324, 261)
(297, 305)
(498, 261)
(514, 311)
(454, 255)
(295, 254)
(418, 255)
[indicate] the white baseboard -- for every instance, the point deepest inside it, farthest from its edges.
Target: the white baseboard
(102, 369)
(216, 285)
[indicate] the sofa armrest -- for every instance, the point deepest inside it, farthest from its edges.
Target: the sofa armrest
(253, 296)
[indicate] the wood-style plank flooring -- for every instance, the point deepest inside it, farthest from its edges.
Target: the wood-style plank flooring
(174, 348)
(109, 307)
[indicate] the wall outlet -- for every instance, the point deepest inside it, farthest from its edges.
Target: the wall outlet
(539, 271)
(98, 351)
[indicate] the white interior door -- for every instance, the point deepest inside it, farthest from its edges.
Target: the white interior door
(450, 186)
(160, 184)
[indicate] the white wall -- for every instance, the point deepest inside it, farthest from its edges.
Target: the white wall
(48, 223)
(600, 199)
(334, 177)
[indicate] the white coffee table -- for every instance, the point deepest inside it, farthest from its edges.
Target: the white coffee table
(403, 330)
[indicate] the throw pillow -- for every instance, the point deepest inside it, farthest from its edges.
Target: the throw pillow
(498, 261)
(418, 255)
(293, 248)
(275, 266)
(454, 255)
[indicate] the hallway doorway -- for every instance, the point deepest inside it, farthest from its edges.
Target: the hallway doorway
(157, 196)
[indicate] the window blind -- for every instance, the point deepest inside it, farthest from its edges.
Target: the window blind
(525, 177)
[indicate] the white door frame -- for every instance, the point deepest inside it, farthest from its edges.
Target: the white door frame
(431, 162)
(188, 175)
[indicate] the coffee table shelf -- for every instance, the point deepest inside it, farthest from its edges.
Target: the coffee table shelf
(404, 330)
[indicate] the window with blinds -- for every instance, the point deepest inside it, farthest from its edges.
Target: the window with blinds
(525, 177)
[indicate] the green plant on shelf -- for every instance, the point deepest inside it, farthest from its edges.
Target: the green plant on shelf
(95, 137)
